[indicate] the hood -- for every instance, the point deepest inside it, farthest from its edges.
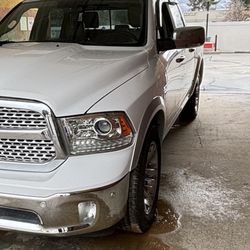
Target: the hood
(69, 78)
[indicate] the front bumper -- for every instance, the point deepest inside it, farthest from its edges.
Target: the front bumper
(58, 215)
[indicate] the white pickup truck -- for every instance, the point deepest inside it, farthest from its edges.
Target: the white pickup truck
(88, 91)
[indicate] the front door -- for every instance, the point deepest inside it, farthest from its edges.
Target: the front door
(174, 62)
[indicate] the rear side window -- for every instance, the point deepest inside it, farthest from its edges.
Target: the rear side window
(55, 23)
(109, 19)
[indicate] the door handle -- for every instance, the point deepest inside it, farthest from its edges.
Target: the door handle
(191, 50)
(180, 59)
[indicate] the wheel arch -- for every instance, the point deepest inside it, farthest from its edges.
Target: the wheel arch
(158, 121)
(198, 72)
(154, 116)
(201, 70)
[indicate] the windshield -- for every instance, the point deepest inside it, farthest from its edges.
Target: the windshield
(90, 22)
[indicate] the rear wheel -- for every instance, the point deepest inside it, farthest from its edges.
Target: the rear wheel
(144, 186)
(190, 111)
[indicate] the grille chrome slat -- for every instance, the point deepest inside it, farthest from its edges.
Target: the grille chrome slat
(13, 118)
(24, 134)
(27, 151)
(26, 130)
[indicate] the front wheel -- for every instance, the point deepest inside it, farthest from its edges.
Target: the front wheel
(144, 186)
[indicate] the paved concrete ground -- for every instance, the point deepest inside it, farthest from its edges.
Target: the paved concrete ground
(205, 189)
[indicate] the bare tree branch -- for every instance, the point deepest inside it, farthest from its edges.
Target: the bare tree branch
(237, 11)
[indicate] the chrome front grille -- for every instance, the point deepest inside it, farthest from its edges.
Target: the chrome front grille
(21, 119)
(27, 151)
(28, 136)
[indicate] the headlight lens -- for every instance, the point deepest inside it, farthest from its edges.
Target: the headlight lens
(97, 133)
(103, 126)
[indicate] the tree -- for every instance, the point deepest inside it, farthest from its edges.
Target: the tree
(202, 4)
(194, 4)
(247, 2)
(237, 11)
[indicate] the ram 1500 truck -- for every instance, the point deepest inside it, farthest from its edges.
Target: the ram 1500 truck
(88, 91)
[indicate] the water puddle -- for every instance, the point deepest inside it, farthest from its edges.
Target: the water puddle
(2, 233)
(202, 197)
(132, 241)
(167, 219)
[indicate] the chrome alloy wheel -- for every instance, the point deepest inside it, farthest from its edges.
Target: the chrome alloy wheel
(151, 177)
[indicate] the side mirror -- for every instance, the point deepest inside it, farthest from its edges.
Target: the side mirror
(187, 37)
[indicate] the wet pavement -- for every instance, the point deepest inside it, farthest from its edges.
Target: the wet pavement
(205, 187)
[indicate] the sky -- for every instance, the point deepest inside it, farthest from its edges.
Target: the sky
(221, 5)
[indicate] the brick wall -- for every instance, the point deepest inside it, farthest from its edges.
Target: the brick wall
(3, 12)
(6, 6)
(9, 3)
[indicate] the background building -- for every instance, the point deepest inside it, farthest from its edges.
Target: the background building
(6, 5)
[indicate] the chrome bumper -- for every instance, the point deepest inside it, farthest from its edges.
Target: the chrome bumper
(58, 215)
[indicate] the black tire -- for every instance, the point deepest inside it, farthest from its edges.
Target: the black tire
(190, 111)
(141, 210)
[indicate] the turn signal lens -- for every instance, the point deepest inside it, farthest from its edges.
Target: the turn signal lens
(126, 129)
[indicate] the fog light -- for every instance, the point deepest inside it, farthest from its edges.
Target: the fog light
(87, 212)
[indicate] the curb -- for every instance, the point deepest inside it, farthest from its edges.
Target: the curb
(226, 52)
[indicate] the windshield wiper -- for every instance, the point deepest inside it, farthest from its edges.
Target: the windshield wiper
(5, 42)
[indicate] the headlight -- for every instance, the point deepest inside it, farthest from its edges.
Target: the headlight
(97, 133)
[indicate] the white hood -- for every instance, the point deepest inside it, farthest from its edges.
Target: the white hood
(69, 78)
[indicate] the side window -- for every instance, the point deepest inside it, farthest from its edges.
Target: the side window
(47, 24)
(119, 17)
(170, 18)
(104, 19)
(55, 23)
(109, 19)
(176, 16)
(166, 27)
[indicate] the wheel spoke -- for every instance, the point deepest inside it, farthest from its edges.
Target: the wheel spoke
(151, 177)
(151, 172)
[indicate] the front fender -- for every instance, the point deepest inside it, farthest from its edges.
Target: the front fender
(156, 106)
(141, 99)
